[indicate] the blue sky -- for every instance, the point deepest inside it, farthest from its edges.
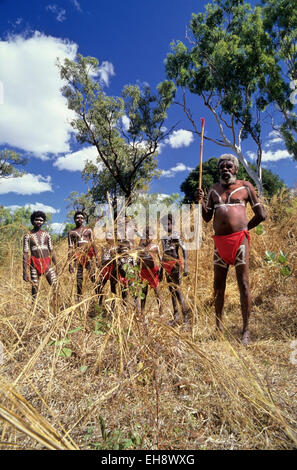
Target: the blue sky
(131, 40)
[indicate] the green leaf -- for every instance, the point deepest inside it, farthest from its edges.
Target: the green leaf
(65, 352)
(282, 258)
(260, 230)
(83, 368)
(75, 330)
(285, 271)
(102, 427)
(269, 256)
(126, 443)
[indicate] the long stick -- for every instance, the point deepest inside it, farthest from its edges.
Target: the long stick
(199, 223)
(201, 152)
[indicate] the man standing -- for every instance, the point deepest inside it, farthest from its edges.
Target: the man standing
(81, 249)
(173, 266)
(227, 202)
(151, 271)
(107, 267)
(39, 243)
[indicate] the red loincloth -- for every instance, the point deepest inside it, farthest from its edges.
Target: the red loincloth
(84, 258)
(227, 245)
(107, 271)
(40, 264)
(151, 276)
(169, 265)
(123, 280)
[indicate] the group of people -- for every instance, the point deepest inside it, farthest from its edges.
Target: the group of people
(120, 262)
(226, 205)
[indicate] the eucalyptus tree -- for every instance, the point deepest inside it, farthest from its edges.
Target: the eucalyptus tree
(280, 22)
(8, 161)
(125, 130)
(226, 62)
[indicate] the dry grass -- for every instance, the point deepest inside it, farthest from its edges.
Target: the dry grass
(151, 385)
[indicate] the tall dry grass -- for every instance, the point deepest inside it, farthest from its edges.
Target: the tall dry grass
(71, 381)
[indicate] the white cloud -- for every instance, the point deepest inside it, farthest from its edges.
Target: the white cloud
(176, 169)
(274, 137)
(76, 5)
(36, 206)
(105, 71)
(180, 138)
(26, 184)
(58, 227)
(125, 122)
(177, 139)
(76, 161)
(34, 114)
(271, 156)
(59, 12)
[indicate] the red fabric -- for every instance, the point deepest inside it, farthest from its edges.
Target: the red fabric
(40, 264)
(84, 258)
(227, 245)
(169, 265)
(123, 280)
(151, 276)
(107, 271)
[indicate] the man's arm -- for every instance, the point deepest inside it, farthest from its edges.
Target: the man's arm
(52, 253)
(256, 207)
(207, 209)
(185, 255)
(25, 257)
(70, 252)
(94, 246)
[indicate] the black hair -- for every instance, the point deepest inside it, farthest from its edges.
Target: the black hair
(36, 214)
(79, 213)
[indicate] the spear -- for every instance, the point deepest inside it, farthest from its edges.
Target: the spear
(199, 220)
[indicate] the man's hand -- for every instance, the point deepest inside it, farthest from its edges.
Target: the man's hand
(185, 273)
(25, 277)
(71, 270)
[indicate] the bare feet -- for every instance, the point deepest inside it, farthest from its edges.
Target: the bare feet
(246, 338)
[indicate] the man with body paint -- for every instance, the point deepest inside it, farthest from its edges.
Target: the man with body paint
(38, 243)
(226, 203)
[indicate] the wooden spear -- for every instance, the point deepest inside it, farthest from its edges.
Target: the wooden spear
(199, 223)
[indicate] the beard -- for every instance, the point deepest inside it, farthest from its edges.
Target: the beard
(228, 179)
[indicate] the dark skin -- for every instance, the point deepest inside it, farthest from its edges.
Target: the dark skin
(227, 220)
(107, 258)
(81, 239)
(42, 253)
(148, 255)
(173, 279)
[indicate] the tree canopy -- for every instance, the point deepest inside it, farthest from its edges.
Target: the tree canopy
(8, 160)
(272, 184)
(231, 63)
(125, 130)
(280, 22)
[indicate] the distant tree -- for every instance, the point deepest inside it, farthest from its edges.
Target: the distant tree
(280, 21)
(13, 225)
(126, 130)
(69, 226)
(8, 160)
(80, 202)
(229, 63)
(272, 184)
